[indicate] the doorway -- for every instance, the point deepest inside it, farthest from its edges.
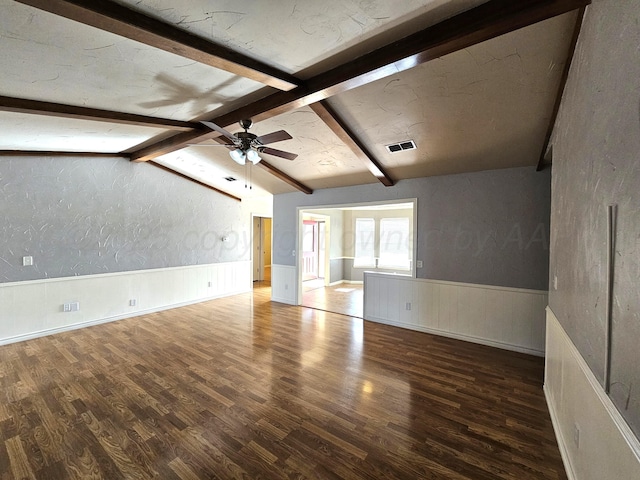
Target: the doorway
(339, 287)
(313, 251)
(261, 249)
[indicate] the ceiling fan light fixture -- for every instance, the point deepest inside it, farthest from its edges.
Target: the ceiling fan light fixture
(238, 156)
(252, 156)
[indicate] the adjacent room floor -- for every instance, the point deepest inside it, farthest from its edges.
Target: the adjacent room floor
(344, 298)
(242, 387)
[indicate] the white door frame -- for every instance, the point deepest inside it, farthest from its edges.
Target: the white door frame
(255, 216)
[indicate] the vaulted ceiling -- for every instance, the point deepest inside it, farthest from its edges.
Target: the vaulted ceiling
(475, 84)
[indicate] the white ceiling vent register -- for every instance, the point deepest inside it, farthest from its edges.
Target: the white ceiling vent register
(402, 146)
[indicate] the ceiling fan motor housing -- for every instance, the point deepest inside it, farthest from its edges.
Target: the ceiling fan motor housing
(246, 139)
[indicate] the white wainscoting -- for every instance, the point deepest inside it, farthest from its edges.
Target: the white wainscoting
(509, 318)
(606, 448)
(284, 284)
(35, 308)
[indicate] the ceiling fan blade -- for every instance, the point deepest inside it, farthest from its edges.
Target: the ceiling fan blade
(273, 137)
(278, 153)
(221, 130)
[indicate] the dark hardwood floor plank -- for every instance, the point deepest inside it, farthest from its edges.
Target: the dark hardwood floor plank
(18, 458)
(243, 388)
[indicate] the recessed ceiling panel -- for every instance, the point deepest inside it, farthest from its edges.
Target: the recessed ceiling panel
(50, 58)
(36, 132)
(294, 35)
(213, 166)
(323, 160)
(485, 107)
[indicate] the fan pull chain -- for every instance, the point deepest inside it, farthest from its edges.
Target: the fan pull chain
(248, 175)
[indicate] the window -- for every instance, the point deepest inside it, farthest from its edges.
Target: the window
(394, 243)
(365, 243)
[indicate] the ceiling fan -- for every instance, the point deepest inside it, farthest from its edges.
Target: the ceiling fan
(248, 146)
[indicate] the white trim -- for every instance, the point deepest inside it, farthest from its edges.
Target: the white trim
(283, 284)
(562, 443)
(91, 323)
(607, 403)
(460, 336)
(35, 308)
(348, 282)
(460, 284)
(111, 274)
(607, 446)
(502, 317)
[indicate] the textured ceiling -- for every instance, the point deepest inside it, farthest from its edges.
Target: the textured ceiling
(483, 107)
(296, 36)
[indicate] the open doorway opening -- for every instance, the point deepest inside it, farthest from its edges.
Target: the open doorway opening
(262, 250)
(349, 240)
(315, 260)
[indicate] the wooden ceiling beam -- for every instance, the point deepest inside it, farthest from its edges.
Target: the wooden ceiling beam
(36, 107)
(121, 20)
(44, 153)
(285, 178)
(191, 179)
(333, 120)
(489, 20)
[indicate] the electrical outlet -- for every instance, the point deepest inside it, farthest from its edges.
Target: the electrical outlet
(407, 306)
(209, 284)
(419, 263)
(71, 307)
(27, 261)
(133, 302)
(576, 435)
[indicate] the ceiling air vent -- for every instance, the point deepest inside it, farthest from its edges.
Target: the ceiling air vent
(399, 147)
(230, 179)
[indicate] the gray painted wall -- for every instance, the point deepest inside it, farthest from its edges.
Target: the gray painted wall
(596, 163)
(356, 274)
(487, 227)
(336, 270)
(79, 216)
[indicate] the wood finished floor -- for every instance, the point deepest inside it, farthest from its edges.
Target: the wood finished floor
(244, 388)
(342, 298)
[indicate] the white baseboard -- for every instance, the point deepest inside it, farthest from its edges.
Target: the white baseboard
(508, 318)
(460, 336)
(34, 308)
(606, 446)
(90, 323)
(562, 442)
(347, 282)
